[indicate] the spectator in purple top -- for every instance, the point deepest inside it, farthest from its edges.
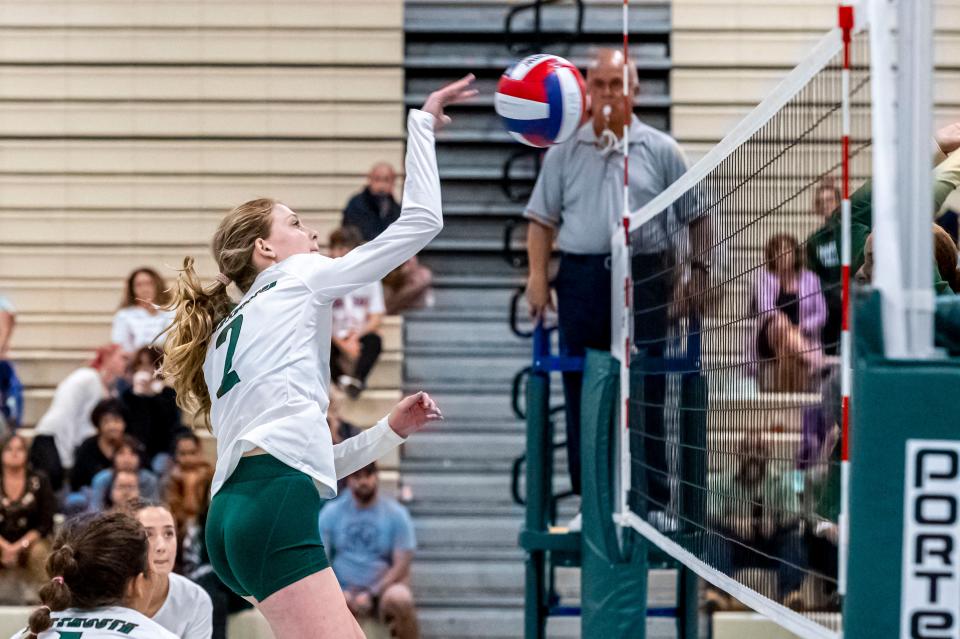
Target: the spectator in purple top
(791, 312)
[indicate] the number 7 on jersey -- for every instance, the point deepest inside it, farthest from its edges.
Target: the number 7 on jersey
(230, 377)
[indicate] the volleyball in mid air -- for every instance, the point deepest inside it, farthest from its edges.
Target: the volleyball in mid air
(541, 100)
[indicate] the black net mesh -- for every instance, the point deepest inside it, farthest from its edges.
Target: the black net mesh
(735, 409)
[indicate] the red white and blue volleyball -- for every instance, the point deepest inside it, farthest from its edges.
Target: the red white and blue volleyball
(541, 100)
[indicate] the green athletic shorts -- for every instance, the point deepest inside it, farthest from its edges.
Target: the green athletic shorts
(263, 530)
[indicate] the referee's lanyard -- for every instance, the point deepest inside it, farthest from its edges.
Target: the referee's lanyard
(613, 190)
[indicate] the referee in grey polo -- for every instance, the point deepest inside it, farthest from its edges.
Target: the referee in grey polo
(578, 198)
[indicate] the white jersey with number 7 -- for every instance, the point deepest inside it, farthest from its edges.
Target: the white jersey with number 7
(267, 368)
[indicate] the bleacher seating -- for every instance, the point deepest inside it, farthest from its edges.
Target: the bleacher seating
(147, 121)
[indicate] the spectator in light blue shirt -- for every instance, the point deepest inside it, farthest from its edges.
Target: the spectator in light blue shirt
(370, 541)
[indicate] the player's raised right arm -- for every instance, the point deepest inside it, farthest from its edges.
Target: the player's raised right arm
(420, 219)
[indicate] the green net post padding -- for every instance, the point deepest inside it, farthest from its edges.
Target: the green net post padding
(614, 574)
(896, 402)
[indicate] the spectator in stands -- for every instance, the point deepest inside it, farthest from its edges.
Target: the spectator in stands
(374, 208)
(186, 481)
(370, 539)
(126, 459)
(821, 494)
(754, 516)
(141, 318)
(370, 212)
(791, 312)
(175, 602)
(8, 318)
(11, 396)
(356, 324)
(124, 489)
(578, 200)
(151, 408)
(67, 423)
(824, 261)
(194, 564)
(26, 520)
(97, 451)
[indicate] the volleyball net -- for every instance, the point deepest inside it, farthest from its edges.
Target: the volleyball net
(732, 344)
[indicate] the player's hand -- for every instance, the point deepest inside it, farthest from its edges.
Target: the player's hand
(413, 413)
(363, 604)
(538, 296)
(10, 556)
(351, 346)
(948, 138)
(453, 93)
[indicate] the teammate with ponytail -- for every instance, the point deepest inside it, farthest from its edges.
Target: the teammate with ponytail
(96, 583)
(258, 372)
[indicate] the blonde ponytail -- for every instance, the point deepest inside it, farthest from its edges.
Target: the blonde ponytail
(199, 309)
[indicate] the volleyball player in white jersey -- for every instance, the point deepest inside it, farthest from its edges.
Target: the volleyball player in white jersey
(259, 371)
(97, 583)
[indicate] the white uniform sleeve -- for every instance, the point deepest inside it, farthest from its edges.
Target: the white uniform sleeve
(420, 221)
(356, 452)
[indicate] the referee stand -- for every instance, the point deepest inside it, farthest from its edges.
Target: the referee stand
(614, 562)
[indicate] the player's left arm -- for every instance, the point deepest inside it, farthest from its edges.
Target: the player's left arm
(411, 414)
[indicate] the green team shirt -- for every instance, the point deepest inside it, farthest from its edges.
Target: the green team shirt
(823, 246)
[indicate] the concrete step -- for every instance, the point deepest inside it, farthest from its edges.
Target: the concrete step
(165, 157)
(449, 581)
(99, 228)
(460, 488)
(465, 492)
(475, 408)
(468, 554)
(424, 56)
(432, 16)
(45, 331)
(365, 411)
(495, 370)
(465, 334)
(441, 581)
(46, 369)
(472, 623)
(445, 447)
(464, 300)
(470, 533)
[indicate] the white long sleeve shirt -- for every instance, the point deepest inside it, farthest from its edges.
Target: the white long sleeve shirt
(68, 418)
(268, 364)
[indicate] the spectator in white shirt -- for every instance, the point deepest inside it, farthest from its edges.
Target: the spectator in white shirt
(356, 324)
(176, 603)
(68, 420)
(141, 320)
